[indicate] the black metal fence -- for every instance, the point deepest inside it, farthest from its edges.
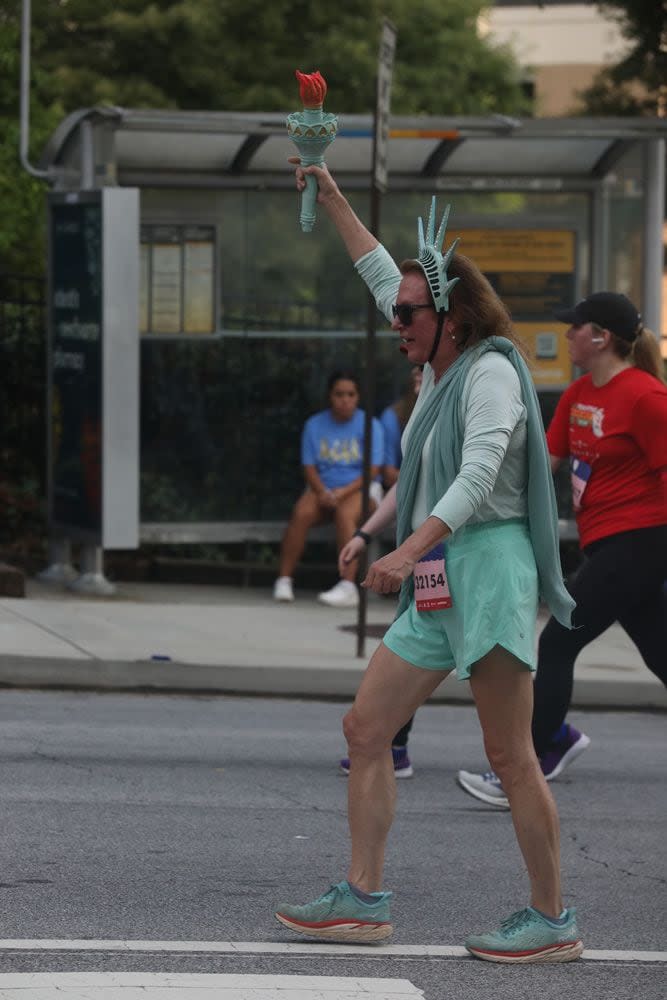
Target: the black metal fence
(220, 420)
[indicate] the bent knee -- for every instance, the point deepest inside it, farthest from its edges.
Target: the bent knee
(364, 735)
(512, 763)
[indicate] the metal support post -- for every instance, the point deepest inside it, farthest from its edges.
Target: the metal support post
(654, 205)
(599, 236)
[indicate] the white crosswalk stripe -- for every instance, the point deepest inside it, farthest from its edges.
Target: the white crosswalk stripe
(197, 986)
(289, 948)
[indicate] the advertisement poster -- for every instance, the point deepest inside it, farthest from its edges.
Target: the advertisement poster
(76, 364)
(177, 280)
(533, 271)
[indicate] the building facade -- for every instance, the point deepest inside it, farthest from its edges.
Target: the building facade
(561, 45)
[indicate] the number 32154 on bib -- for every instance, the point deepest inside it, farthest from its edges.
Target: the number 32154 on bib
(431, 587)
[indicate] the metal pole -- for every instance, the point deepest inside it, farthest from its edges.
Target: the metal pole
(378, 184)
(24, 134)
(369, 405)
(60, 569)
(654, 203)
(599, 241)
(87, 156)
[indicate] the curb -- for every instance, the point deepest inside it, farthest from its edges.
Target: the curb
(282, 681)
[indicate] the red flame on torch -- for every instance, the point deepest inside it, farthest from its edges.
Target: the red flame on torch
(312, 88)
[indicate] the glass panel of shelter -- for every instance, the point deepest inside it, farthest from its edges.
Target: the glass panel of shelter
(222, 416)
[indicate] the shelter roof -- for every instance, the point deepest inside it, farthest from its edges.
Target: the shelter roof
(232, 149)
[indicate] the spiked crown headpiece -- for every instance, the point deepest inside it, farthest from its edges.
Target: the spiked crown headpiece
(432, 261)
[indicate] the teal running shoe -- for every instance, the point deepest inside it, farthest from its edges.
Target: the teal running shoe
(527, 936)
(339, 915)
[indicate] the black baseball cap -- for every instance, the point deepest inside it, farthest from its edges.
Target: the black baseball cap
(610, 310)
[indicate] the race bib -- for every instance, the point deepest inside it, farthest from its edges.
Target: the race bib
(431, 587)
(580, 473)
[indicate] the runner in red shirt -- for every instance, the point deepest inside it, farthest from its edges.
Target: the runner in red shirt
(611, 426)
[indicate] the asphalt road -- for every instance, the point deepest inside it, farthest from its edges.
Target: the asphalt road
(187, 819)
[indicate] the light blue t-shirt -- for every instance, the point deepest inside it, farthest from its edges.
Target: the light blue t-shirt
(337, 449)
(392, 437)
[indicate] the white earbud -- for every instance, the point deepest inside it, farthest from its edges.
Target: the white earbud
(597, 340)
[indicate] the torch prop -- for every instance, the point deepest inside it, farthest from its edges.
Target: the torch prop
(311, 131)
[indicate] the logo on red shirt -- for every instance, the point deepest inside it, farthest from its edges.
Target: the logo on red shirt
(583, 415)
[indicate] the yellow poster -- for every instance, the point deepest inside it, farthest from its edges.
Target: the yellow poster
(526, 250)
(549, 360)
(199, 286)
(533, 272)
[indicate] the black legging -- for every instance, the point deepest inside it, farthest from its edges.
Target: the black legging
(401, 737)
(620, 580)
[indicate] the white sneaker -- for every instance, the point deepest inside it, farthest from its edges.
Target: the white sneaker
(343, 595)
(485, 787)
(282, 589)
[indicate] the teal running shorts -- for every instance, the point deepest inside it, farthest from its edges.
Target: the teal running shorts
(492, 578)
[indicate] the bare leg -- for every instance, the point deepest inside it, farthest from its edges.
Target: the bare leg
(503, 692)
(306, 514)
(390, 692)
(347, 517)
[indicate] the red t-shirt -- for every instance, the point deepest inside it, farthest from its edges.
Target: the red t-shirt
(615, 436)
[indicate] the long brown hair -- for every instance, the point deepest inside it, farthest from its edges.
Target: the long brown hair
(404, 406)
(644, 352)
(475, 307)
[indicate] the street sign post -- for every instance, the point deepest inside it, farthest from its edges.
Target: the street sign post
(383, 103)
(378, 185)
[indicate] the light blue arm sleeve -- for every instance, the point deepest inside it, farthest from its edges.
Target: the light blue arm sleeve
(382, 276)
(492, 408)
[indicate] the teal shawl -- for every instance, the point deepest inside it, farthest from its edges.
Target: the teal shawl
(443, 410)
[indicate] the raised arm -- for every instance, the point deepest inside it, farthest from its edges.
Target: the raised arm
(355, 236)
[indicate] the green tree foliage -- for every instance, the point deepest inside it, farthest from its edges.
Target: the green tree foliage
(638, 83)
(229, 55)
(241, 54)
(21, 196)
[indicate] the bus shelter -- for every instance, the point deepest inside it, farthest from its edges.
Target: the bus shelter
(236, 317)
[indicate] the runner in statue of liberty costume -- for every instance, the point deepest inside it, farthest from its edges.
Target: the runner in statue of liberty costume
(477, 542)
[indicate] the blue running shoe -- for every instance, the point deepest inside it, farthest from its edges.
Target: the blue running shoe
(562, 752)
(527, 936)
(339, 915)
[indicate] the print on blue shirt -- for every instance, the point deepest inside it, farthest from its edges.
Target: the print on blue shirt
(336, 449)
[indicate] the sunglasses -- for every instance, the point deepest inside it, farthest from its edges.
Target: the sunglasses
(404, 311)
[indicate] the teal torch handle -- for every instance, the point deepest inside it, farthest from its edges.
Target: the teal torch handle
(308, 202)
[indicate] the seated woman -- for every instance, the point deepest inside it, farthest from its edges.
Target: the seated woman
(332, 449)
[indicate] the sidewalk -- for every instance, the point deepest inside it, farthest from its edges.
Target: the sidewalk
(167, 637)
